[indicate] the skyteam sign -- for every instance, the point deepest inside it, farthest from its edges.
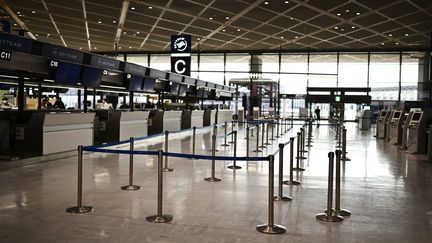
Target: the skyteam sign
(180, 54)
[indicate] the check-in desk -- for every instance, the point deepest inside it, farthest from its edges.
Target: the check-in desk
(192, 119)
(416, 142)
(395, 127)
(48, 133)
(161, 121)
(381, 128)
(209, 117)
(121, 125)
(224, 116)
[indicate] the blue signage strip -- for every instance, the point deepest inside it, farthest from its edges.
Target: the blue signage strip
(135, 69)
(63, 54)
(105, 63)
(15, 43)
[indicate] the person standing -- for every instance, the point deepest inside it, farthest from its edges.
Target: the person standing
(318, 114)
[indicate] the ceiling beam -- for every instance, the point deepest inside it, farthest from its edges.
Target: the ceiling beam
(156, 23)
(86, 24)
(53, 22)
(123, 13)
(16, 19)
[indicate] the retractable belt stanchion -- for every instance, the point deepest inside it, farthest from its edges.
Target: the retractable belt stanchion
(329, 216)
(247, 141)
(309, 142)
(232, 133)
(303, 136)
(159, 217)
(339, 145)
(277, 128)
(338, 210)
(282, 128)
(267, 135)
(298, 153)
(131, 186)
(257, 150)
(280, 197)
(225, 144)
(79, 208)
(214, 133)
(270, 227)
(213, 165)
(262, 137)
(344, 152)
(272, 131)
(291, 180)
(193, 139)
(166, 168)
(235, 166)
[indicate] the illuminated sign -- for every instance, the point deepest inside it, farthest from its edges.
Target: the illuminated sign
(5, 55)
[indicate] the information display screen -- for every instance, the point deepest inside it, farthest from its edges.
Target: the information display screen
(149, 84)
(200, 92)
(91, 77)
(384, 114)
(65, 73)
(174, 88)
(397, 114)
(416, 116)
(182, 91)
(134, 82)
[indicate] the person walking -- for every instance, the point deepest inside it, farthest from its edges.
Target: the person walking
(318, 114)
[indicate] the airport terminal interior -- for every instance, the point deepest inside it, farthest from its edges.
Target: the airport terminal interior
(216, 121)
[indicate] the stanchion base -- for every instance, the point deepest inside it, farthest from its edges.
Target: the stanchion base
(344, 212)
(225, 145)
(282, 199)
(267, 143)
(301, 157)
(168, 170)
(346, 159)
(160, 219)
(262, 146)
(338, 146)
(130, 188)
(275, 229)
(217, 150)
(79, 209)
(231, 142)
(292, 183)
(299, 169)
(212, 179)
(257, 151)
(234, 167)
(277, 136)
(304, 151)
(309, 145)
(332, 218)
(272, 139)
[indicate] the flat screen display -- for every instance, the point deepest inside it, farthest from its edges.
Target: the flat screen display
(149, 84)
(416, 116)
(192, 91)
(134, 82)
(384, 113)
(200, 92)
(67, 73)
(174, 88)
(159, 85)
(91, 77)
(182, 91)
(397, 114)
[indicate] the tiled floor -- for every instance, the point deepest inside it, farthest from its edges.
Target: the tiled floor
(388, 192)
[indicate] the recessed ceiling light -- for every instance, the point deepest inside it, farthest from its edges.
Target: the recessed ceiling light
(198, 38)
(353, 27)
(211, 18)
(33, 12)
(382, 43)
(296, 37)
(347, 10)
(266, 2)
(124, 32)
(15, 24)
(80, 48)
(114, 22)
(282, 37)
(223, 30)
(291, 18)
(18, 12)
(226, 17)
(150, 7)
(130, 47)
(397, 43)
(133, 8)
(138, 32)
(99, 22)
(390, 35)
(286, 2)
(342, 29)
(406, 34)
(134, 34)
(48, 35)
(120, 47)
(338, 14)
(95, 48)
(238, 30)
(36, 34)
(357, 13)
(336, 27)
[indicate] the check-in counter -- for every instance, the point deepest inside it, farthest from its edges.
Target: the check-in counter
(122, 125)
(172, 121)
(224, 116)
(209, 117)
(192, 119)
(48, 133)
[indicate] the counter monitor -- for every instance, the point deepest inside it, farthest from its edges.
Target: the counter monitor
(134, 82)
(416, 116)
(397, 114)
(149, 84)
(66, 73)
(174, 88)
(91, 77)
(182, 90)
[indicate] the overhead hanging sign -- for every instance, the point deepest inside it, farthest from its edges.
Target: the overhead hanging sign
(5, 26)
(15, 43)
(180, 54)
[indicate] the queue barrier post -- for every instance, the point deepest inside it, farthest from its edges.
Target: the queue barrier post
(193, 140)
(272, 131)
(277, 128)
(267, 135)
(344, 152)
(131, 186)
(280, 197)
(166, 167)
(257, 150)
(298, 168)
(282, 127)
(338, 210)
(291, 180)
(262, 137)
(328, 215)
(225, 144)
(235, 166)
(79, 208)
(232, 133)
(247, 141)
(213, 178)
(301, 150)
(303, 132)
(160, 217)
(270, 227)
(309, 140)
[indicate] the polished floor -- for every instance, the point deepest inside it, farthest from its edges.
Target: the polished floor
(388, 192)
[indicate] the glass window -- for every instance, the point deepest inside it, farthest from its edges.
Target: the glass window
(211, 67)
(384, 76)
(140, 59)
(293, 78)
(319, 66)
(353, 68)
(160, 62)
(194, 65)
(410, 75)
(237, 66)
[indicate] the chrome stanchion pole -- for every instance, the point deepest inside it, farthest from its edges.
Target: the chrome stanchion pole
(159, 217)
(309, 142)
(270, 227)
(286, 125)
(339, 145)
(277, 128)
(338, 210)
(257, 150)
(344, 152)
(79, 208)
(291, 180)
(232, 133)
(329, 216)
(303, 135)
(234, 166)
(214, 133)
(272, 131)
(131, 186)
(193, 139)
(247, 141)
(213, 165)
(267, 135)
(297, 168)
(225, 144)
(280, 197)
(282, 128)
(262, 137)
(166, 168)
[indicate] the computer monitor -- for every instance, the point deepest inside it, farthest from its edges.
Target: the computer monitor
(91, 77)
(416, 116)
(383, 113)
(397, 114)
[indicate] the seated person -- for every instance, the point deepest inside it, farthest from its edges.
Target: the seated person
(5, 104)
(59, 104)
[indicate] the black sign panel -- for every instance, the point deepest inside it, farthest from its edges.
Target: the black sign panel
(5, 55)
(63, 54)
(15, 43)
(104, 62)
(181, 43)
(135, 69)
(181, 65)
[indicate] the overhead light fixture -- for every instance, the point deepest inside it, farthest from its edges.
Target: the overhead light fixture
(282, 37)
(138, 32)
(99, 21)
(238, 30)
(95, 48)
(390, 35)
(336, 27)
(266, 2)
(226, 17)
(338, 14)
(124, 33)
(296, 37)
(353, 27)
(287, 2)
(406, 34)
(357, 13)
(114, 22)
(15, 24)
(33, 12)
(18, 12)
(211, 18)
(150, 7)
(342, 29)
(120, 47)
(36, 34)
(397, 43)
(382, 43)
(130, 47)
(347, 11)
(223, 30)
(132, 8)
(198, 38)
(80, 48)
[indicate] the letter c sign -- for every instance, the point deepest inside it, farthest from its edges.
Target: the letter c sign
(181, 65)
